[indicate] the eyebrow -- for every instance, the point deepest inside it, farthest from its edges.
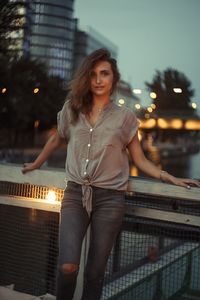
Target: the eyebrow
(101, 71)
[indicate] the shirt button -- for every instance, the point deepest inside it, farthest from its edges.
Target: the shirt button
(89, 145)
(87, 160)
(91, 129)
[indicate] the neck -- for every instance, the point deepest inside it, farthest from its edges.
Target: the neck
(100, 101)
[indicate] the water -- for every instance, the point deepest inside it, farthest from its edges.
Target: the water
(187, 166)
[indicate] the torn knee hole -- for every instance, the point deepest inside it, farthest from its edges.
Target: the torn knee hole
(69, 268)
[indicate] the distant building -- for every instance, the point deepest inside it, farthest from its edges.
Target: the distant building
(47, 33)
(90, 40)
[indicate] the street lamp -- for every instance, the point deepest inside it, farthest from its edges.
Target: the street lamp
(137, 91)
(121, 101)
(4, 90)
(177, 90)
(153, 95)
(36, 90)
(194, 105)
(137, 106)
(149, 109)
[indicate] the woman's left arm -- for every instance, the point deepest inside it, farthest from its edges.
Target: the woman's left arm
(146, 166)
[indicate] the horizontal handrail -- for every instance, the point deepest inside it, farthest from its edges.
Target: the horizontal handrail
(51, 177)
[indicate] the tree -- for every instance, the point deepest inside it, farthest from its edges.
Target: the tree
(31, 96)
(9, 18)
(167, 101)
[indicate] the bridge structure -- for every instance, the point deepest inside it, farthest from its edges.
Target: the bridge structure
(156, 255)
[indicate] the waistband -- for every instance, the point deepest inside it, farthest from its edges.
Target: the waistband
(87, 191)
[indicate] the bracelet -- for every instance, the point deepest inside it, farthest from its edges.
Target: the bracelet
(161, 173)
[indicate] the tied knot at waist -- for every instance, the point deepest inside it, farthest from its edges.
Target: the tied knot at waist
(87, 197)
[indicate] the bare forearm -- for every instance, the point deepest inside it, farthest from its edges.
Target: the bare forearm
(52, 144)
(152, 170)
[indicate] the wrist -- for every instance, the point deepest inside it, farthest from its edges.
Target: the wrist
(163, 175)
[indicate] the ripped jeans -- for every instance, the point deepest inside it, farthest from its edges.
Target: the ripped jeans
(108, 208)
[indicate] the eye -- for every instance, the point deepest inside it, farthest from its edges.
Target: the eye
(105, 73)
(92, 74)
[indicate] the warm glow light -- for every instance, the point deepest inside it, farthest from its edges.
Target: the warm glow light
(51, 196)
(150, 123)
(36, 123)
(162, 123)
(121, 101)
(36, 90)
(153, 106)
(192, 125)
(137, 106)
(176, 124)
(194, 105)
(3, 90)
(153, 95)
(137, 91)
(150, 109)
(133, 171)
(177, 90)
(139, 135)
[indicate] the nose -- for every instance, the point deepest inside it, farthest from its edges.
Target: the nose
(98, 78)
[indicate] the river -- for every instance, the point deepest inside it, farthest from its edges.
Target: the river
(180, 166)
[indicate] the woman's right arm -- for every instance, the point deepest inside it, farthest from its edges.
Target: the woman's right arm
(53, 143)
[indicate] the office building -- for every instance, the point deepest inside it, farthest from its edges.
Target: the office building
(47, 33)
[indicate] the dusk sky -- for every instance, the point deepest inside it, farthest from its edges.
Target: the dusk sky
(150, 35)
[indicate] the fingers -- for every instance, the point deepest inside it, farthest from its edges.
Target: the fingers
(188, 183)
(26, 168)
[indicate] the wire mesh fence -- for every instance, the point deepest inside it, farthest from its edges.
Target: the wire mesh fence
(152, 259)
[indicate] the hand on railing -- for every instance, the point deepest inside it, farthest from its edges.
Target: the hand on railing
(185, 182)
(27, 167)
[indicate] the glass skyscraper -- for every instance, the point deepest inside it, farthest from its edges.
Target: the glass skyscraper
(52, 35)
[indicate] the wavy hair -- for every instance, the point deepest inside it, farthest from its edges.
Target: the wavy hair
(79, 87)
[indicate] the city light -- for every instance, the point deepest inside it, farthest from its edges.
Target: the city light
(36, 123)
(149, 109)
(192, 125)
(176, 124)
(137, 91)
(153, 106)
(153, 95)
(162, 123)
(4, 90)
(177, 90)
(121, 101)
(51, 196)
(36, 90)
(194, 105)
(137, 106)
(150, 123)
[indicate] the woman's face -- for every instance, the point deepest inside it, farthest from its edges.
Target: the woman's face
(101, 79)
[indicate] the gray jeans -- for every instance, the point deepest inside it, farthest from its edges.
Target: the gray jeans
(108, 208)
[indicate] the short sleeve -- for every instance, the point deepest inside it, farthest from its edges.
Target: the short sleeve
(63, 121)
(130, 127)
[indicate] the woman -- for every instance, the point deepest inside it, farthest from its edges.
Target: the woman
(97, 132)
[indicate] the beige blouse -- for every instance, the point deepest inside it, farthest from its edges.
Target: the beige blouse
(97, 155)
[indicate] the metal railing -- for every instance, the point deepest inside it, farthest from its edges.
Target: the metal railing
(156, 255)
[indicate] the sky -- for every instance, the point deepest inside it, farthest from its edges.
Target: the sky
(150, 35)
